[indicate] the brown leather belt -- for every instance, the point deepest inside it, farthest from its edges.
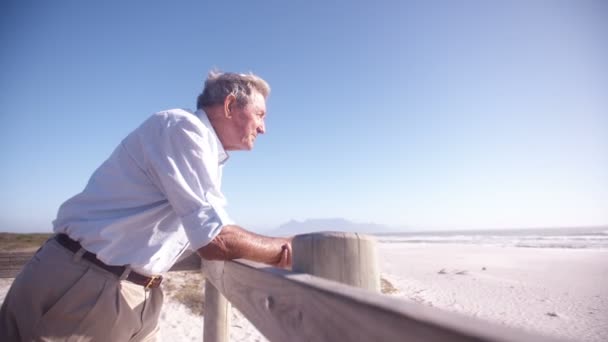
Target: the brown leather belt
(74, 246)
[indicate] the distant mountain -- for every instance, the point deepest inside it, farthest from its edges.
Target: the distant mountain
(294, 227)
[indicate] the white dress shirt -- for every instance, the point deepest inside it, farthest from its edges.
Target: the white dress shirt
(157, 195)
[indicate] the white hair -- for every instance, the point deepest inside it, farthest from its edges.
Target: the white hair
(221, 84)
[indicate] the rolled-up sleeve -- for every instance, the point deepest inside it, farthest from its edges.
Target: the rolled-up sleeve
(183, 162)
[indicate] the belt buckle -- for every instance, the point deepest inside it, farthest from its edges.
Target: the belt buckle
(151, 282)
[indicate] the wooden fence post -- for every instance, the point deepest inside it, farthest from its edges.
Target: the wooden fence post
(349, 258)
(217, 315)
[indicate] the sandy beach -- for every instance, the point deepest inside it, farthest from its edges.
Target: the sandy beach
(554, 291)
(183, 323)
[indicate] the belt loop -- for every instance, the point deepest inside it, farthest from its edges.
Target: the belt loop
(125, 273)
(78, 255)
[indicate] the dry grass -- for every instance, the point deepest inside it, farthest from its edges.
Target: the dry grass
(11, 242)
(387, 287)
(192, 297)
(188, 289)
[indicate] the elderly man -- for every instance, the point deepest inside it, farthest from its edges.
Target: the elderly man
(155, 197)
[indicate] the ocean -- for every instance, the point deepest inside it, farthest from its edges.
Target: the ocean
(577, 238)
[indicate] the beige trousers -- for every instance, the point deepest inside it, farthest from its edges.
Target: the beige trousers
(60, 297)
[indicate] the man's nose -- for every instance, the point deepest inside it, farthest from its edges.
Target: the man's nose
(262, 128)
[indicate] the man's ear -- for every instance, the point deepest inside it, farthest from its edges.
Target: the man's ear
(229, 102)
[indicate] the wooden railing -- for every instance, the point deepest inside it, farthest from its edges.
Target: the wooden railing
(332, 294)
(304, 306)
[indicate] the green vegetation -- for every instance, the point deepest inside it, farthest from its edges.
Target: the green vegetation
(10, 242)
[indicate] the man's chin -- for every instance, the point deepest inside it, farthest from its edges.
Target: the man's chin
(250, 144)
(243, 147)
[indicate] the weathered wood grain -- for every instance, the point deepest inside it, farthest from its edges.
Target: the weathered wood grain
(348, 258)
(187, 262)
(286, 306)
(218, 311)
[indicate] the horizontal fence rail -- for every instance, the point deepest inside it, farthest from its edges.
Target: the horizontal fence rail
(287, 306)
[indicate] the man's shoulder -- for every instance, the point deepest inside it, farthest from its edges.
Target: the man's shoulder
(172, 118)
(176, 114)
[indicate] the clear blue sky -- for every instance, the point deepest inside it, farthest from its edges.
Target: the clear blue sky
(449, 114)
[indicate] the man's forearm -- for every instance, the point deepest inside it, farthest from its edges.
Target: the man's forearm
(235, 242)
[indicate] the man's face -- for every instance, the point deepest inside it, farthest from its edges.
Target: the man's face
(247, 123)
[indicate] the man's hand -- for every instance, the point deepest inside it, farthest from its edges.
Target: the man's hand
(235, 242)
(286, 257)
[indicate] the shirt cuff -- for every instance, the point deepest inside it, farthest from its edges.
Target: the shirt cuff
(204, 225)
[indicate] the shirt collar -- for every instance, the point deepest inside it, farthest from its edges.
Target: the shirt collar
(221, 153)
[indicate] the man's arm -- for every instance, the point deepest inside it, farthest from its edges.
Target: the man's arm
(234, 242)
